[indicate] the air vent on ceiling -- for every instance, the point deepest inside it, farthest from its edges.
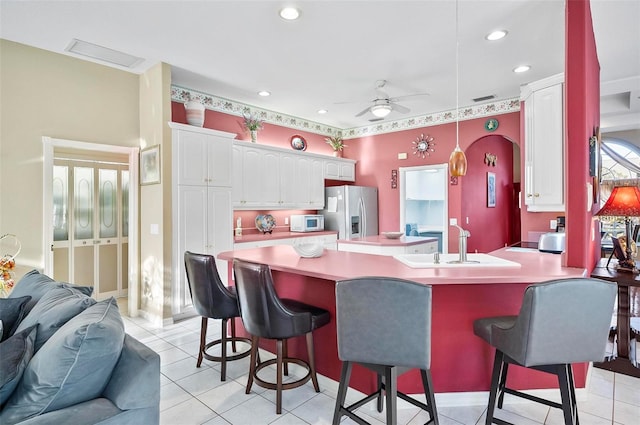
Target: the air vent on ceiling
(104, 54)
(483, 98)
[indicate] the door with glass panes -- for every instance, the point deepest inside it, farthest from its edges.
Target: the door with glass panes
(90, 209)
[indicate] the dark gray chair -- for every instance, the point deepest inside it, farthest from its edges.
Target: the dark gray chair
(212, 299)
(384, 324)
(560, 322)
(265, 315)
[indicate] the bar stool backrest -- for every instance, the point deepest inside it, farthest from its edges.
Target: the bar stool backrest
(560, 322)
(384, 321)
(263, 315)
(211, 298)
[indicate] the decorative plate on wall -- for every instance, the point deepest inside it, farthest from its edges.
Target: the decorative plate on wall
(423, 145)
(298, 143)
(491, 124)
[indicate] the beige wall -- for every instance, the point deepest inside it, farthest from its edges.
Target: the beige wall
(155, 249)
(48, 94)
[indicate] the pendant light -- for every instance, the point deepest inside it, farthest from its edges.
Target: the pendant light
(457, 160)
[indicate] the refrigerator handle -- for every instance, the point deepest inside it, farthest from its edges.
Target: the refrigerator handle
(363, 219)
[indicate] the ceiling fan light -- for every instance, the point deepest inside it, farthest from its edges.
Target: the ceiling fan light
(289, 13)
(380, 111)
(457, 163)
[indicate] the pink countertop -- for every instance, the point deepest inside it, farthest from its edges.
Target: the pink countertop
(339, 265)
(380, 240)
(254, 237)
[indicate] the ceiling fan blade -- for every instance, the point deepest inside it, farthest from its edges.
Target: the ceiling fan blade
(407, 96)
(363, 111)
(400, 108)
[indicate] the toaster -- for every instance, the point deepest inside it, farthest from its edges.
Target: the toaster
(552, 242)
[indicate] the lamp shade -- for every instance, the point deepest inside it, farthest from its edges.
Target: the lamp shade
(623, 202)
(457, 163)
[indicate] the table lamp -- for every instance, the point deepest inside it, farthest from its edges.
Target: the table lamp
(624, 202)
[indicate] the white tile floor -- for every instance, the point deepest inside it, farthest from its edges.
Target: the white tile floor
(191, 395)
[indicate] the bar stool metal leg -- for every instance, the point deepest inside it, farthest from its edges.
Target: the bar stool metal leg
(345, 375)
(498, 364)
(427, 383)
(391, 396)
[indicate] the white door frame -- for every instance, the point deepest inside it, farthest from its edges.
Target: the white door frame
(402, 191)
(49, 145)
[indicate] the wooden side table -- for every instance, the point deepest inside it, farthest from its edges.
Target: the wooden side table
(626, 361)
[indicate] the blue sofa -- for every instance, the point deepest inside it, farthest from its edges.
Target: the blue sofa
(83, 368)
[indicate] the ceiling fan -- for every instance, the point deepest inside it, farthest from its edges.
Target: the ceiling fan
(383, 104)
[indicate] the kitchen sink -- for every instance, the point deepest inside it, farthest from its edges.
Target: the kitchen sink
(418, 261)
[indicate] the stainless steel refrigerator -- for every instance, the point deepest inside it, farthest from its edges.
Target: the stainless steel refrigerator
(351, 210)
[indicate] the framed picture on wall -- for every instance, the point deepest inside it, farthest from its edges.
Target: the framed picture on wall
(491, 190)
(150, 165)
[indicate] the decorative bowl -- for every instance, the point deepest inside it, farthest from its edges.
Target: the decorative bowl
(392, 235)
(309, 250)
(265, 223)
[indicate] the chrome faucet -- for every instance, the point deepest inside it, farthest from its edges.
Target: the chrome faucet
(462, 243)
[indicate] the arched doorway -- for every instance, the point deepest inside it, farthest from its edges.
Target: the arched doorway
(493, 219)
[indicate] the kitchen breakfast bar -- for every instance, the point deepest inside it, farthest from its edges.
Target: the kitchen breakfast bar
(460, 361)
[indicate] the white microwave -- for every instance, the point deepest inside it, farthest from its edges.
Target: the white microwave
(307, 223)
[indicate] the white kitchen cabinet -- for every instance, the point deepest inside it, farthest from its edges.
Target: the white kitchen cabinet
(205, 227)
(204, 156)
(201, 207)
(256, 181)
(266, 177)
(340, 169)
(308, 183)
(421, 248)
(544, 144)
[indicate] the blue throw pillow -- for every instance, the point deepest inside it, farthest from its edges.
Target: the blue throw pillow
(36, 284)
(74, 366)
(54, 309)
(11, 313)
(15, 353)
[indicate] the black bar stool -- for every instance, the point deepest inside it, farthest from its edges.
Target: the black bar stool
(384, 324)
(560, 322)
(212, 299)
(265, 315)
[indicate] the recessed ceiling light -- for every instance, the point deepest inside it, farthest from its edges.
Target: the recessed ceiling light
(264, 93)
(289, 13)
(521, 68)
(496, 35)
(322, 111)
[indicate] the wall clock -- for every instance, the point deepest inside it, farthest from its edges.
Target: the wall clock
(423, 145)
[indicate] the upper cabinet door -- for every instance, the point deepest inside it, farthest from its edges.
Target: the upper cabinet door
(203, 159)
(193, 158)
(544, 146)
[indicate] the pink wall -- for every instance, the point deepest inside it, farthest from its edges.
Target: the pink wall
(490, 227)
(378, 155)
(582, 117)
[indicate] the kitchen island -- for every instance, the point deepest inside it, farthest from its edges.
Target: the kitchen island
(460, 361)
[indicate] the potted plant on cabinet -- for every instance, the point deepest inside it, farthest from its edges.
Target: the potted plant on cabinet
(253, 124)
(337, 143)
